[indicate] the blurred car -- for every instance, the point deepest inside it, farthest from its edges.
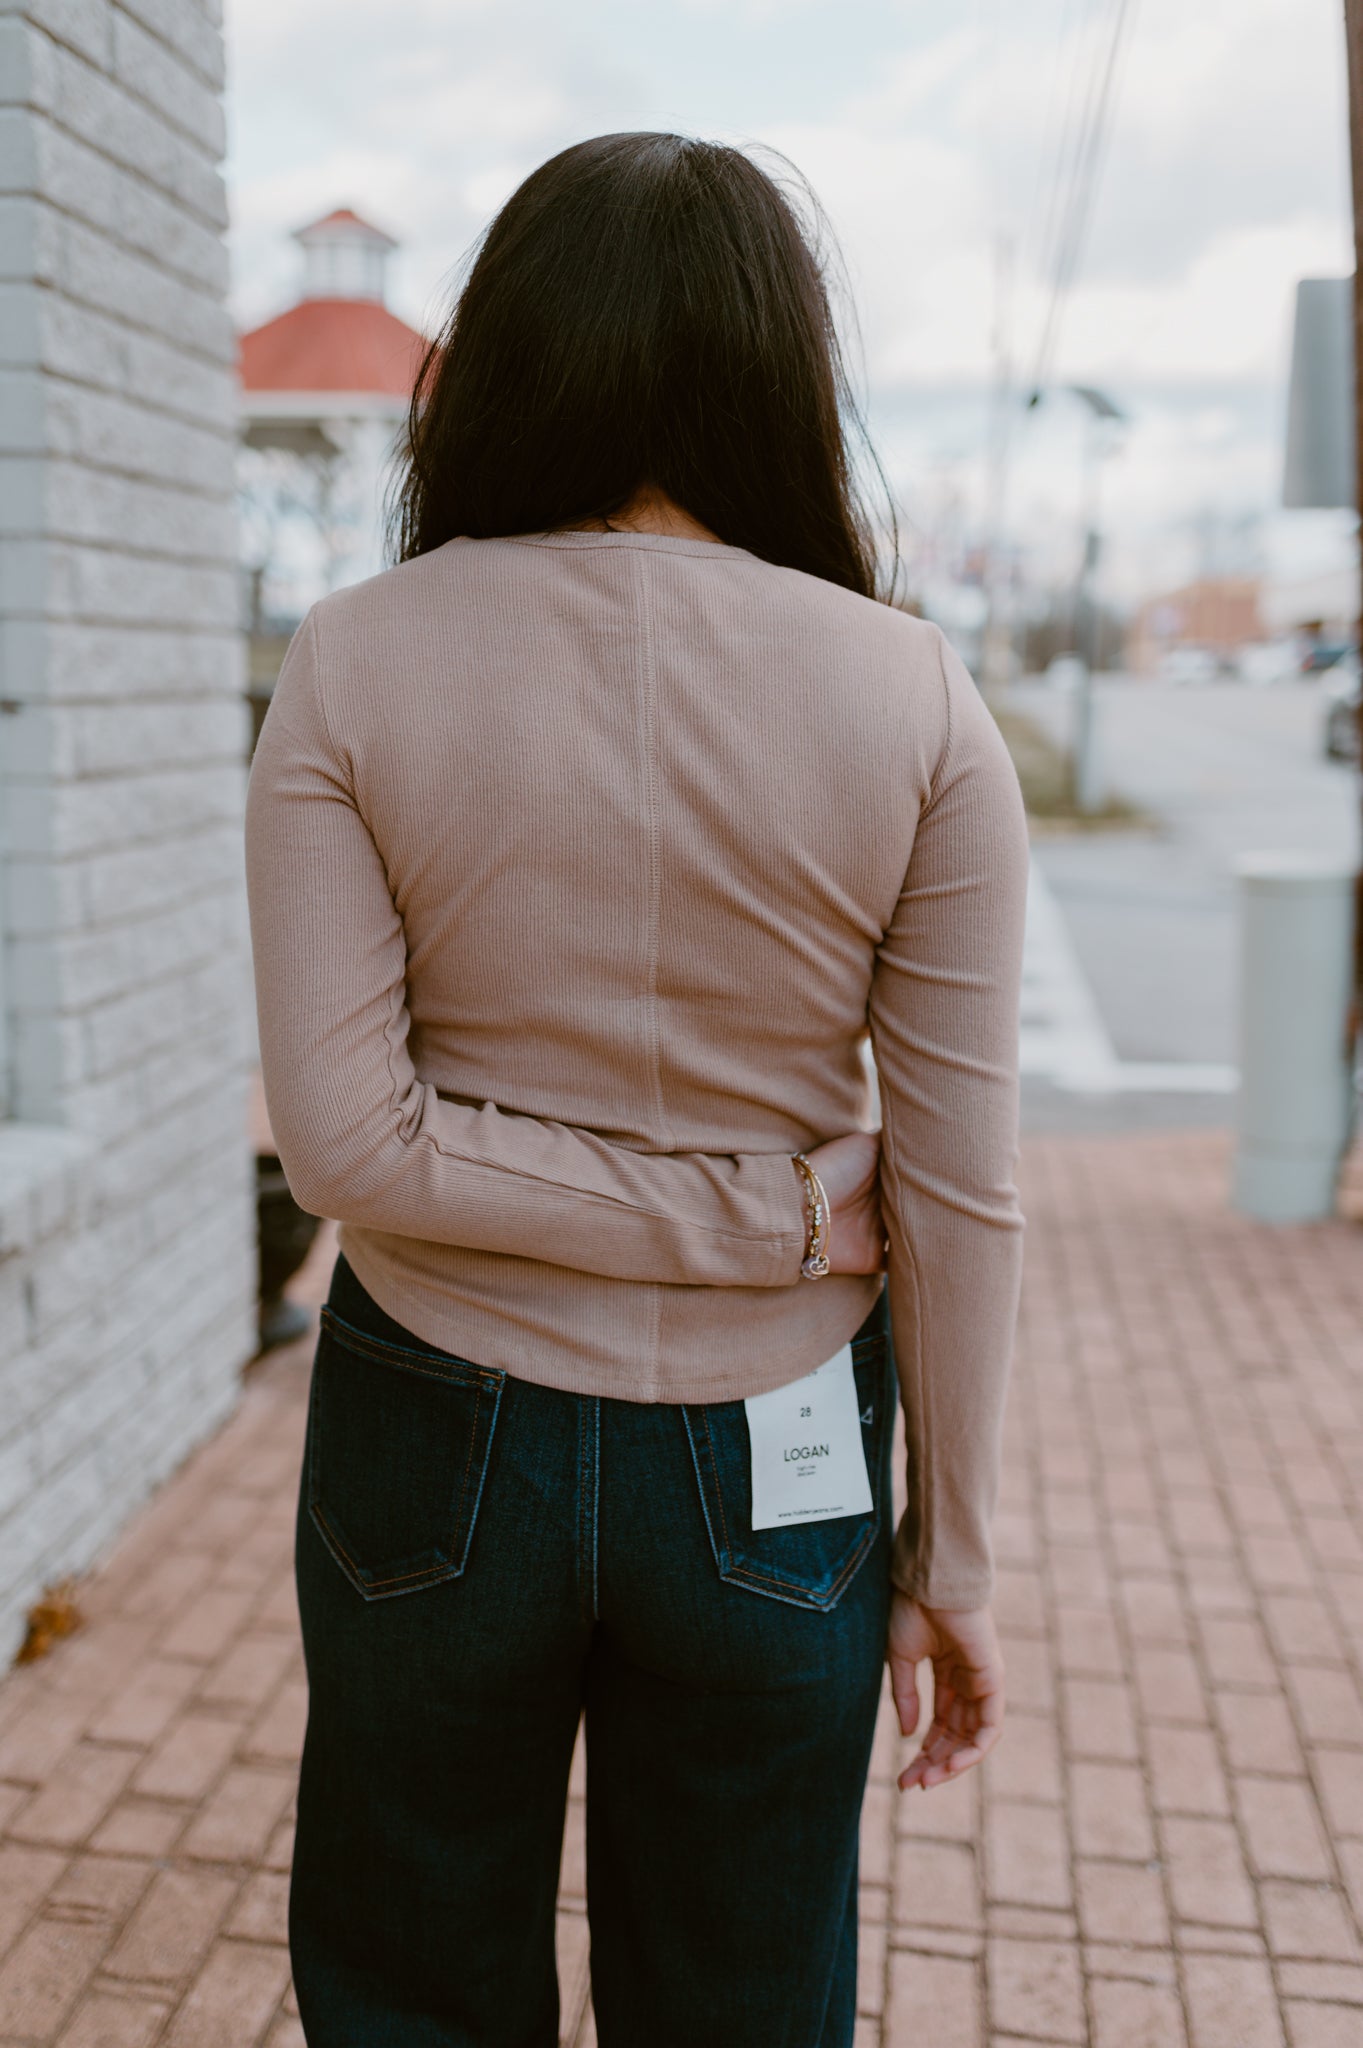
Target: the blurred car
(1341, 692)
(1264, 663)
(1326, 654)
(1189, 665)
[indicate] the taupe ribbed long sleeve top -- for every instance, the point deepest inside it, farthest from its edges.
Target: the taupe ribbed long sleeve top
(580, 865)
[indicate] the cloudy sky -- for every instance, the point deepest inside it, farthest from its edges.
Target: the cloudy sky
(929, 130)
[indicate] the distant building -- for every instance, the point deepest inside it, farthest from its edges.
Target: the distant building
(336, 357)
(1218, 615)
(325, 387)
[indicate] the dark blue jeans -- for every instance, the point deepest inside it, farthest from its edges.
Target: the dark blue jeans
(481, 1561)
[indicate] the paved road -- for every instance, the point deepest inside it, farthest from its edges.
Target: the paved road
(1136, 931)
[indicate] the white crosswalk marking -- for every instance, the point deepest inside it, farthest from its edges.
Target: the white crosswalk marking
(1063, 1037)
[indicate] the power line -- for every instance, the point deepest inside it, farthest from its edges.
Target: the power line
(1072, 28)
(1076, 186)
(1067, 174)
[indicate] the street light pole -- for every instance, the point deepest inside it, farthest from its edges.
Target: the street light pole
(1100, 414)
(996, 638)
(1353, 36)
(1087, 794)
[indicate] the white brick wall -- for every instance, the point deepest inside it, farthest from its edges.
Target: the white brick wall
(127, 1236)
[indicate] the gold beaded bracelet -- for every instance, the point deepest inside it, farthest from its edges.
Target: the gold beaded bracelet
(815, 1262)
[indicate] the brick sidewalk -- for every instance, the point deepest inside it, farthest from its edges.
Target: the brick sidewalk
(1166, 1849)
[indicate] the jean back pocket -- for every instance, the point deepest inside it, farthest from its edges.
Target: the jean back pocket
(809, 1564)
(397, 1453)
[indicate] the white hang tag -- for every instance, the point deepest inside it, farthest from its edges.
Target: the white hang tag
(808, 1458)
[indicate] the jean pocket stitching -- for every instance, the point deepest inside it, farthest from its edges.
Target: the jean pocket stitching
(794, 1589)
(719, 1551)
(432, 1365)
(474, 1379)
(430, 1575)
(464, 1481)
(732, 1566)
(719, 1490)
(867, 1347)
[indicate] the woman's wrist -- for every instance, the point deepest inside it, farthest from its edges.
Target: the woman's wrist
(815, 1264)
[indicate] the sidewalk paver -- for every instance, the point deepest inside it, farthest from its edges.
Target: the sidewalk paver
(1165, 1852)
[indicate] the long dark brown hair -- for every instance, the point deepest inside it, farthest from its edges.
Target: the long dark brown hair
(645, 310)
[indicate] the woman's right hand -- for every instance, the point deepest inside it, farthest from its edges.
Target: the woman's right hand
(849, 1168)
(967, 1686)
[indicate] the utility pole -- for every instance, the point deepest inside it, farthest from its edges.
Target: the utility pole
(1353, 36)
(996, 640)
(1101, 417)
(1087, 795)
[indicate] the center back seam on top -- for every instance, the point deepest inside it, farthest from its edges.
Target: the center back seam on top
(648, 679)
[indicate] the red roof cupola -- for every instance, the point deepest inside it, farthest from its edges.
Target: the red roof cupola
(344, 257)
(339, 340)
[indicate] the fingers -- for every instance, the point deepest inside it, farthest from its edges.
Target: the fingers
(967, 1688)
(967, 1721)
(946, 1755)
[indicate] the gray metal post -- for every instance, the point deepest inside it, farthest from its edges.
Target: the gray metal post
(1088, 781)
(1101, 416)
(1295, 1104)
